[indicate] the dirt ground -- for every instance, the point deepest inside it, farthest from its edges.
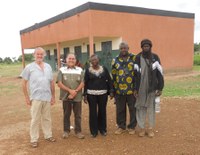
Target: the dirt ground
(177, 129)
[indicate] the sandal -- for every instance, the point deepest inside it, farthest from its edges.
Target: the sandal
(34, 144)
(51, 139)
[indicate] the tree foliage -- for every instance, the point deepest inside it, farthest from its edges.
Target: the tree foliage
(28, 57)
(1, 60)
(7, 60)
(196, 47)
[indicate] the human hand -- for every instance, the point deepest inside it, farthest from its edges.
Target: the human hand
(52, 101)
(135, 93)
(72, 93)
(85, 99)
(111, 96)
(70, 97)
(158, 92)
(28, 102)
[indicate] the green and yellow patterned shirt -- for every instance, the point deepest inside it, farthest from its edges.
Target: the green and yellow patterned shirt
(123, 74)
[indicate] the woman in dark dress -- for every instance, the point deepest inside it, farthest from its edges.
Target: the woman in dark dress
(98, 85)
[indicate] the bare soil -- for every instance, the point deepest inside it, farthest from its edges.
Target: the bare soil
(177, 130)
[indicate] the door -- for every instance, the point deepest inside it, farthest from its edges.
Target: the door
(50, 60)
(106, 54)
(66, 52)
(63, 57)
(78, 53)
(56, 58)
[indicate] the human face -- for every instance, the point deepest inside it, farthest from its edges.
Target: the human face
(124, 50)
(39, 55)
(146, 48)
(94, 61)
(71, 60)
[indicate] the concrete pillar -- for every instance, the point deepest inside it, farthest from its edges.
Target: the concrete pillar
(58, 55)
(23, 58)
(91, 37)
(91, 44)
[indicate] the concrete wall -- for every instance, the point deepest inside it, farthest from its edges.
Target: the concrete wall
(72, 28)
(172, 37)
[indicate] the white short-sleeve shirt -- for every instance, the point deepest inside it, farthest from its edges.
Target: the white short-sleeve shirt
(39, 81)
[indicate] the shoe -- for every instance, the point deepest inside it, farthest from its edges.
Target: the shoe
(103, 133)
(93, 135)
(51, 139)
(141, 133)
(80, 135)
(150, 133)
(120, 131)
(34, 144)
(65, 135)
(131, 131)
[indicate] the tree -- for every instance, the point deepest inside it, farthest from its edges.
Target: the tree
(1, 60)
(28, 57)
(14, 59)
(196, 47)
(7, 60)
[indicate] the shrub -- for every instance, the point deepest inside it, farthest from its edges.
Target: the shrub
(196, 59)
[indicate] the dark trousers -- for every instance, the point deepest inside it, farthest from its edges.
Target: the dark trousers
(97, 112)
(121, 102)
(67, 108)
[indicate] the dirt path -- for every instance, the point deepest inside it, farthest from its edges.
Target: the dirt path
(177, 129)
(174, 76)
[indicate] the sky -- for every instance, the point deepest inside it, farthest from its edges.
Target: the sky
(16, 15)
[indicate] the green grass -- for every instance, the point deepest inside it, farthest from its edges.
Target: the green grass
(178, 87)
(196, 68)
(184, 87)
(197, 59)
(10, 70)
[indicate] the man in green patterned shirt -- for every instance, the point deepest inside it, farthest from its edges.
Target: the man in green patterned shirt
(123, 78)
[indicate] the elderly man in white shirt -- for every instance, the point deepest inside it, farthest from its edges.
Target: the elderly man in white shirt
(38, 76)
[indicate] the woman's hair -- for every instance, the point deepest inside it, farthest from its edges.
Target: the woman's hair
(94, 56)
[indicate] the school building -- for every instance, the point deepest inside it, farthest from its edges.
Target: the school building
(99, 28)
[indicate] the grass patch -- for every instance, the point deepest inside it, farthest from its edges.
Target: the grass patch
(180, 87)
(185, 87)
(10, 70)
(197, 59)
(196, 67)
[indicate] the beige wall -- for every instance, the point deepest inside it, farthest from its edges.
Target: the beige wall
(83, 43)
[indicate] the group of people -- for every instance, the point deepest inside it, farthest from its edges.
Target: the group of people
(135, 81)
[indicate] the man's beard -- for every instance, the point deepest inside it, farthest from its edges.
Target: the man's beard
(125, 54)
(146, 54)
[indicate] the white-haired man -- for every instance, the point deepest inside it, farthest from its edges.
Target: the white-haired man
(38, 76)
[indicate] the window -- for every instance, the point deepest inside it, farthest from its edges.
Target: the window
(88, 49)
(48, 55)
(78, 53)
(55, 54)
(66, 52)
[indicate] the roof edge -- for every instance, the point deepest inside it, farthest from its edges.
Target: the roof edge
(107, 7)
